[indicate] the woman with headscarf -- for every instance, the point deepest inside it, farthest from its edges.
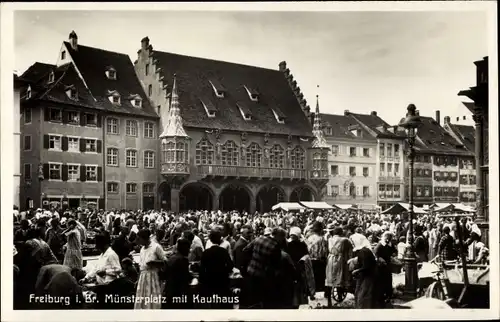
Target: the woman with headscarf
(152, 259)
(318, 251)
(337, 270)
(385, 250)
(368, 293)
(73, 257)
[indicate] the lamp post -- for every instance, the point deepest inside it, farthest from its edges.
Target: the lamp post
(411, 124)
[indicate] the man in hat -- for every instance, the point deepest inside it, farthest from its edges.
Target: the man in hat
(318, 251)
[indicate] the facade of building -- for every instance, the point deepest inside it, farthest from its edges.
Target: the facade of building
(388, 157)
(231, 136)
(19, 88)
(467, 165)
(479, 95)
(351, 161)
(86, 120)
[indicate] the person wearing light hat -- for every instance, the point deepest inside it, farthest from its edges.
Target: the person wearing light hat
(318, 251)
(268, 231)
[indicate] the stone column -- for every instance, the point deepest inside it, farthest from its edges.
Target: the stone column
(215, 201)
(174, 199)
(478, 119)
(253, 204)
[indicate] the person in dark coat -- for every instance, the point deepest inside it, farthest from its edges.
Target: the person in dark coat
(177, 288)
(385, 250)
(287, 277)
(121, 245)
(241, 259)
(215, 269)
(368, 293)
(57, 281)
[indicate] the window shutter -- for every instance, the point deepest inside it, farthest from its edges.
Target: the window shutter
(358, 190)
(370, 190)
(99, 173)
(64, 143)
(64, 172)
(82, 145)
(46, 141)
(99, 146)
(65, 117)
(99, 120)
(46, 114)
(370, 171)
(83, 119)
(83, 173)
(46, 171)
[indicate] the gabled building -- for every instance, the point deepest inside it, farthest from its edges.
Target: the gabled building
(388, 158)
(90, 125)
(464, 134)
(351, 161)
(20, 86)
(233, 136)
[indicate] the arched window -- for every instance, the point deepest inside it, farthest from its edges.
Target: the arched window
(254, 155)
(317, 161)
(298, 158)
(230, 153)
(277, 157)
(204, 152)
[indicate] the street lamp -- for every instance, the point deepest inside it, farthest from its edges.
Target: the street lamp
(411, 124)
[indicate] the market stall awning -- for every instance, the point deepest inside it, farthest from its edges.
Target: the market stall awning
(345, 206)
(287, 206)
(403, 207)
(316, 205)
(367, 206)
(455, 207)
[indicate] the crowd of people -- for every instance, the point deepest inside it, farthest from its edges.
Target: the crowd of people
(214, 259)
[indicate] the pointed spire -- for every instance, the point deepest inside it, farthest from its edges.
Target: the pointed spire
(319, 141)
(174, 127)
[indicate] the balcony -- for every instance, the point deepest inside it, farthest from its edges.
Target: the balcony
(226, 171)
(385, 179)
(175, 169)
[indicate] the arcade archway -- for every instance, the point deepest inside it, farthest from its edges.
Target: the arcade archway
(234, 197)
(302, 194)
(268, 196)
(195, 196)
(164, 192)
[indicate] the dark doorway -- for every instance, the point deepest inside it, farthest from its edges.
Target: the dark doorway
(148, 202)
(268, 196)
(164, 195)
(234, 197)
(302, 194)
(73, 203)
(195, 196)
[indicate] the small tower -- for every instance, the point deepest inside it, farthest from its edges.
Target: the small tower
(73, 40)
(319, 152)
(174, 143)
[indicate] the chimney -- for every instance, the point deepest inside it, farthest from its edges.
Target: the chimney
(144, 43)
(282, 66)
(373, 113)
(438, 117)
(446, 120)
(346, 112)
(73, 40)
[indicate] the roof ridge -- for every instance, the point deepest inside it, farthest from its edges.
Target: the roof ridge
(100, 49)
(215, 60)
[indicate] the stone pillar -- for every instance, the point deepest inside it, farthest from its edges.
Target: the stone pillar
(174, 199)
(253, 204)
(215, 201)
(480, 217)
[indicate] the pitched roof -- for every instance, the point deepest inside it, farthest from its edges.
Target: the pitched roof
(379, 127)
(36, 71)
(92, 63)
(466, 134)
(437, 140)
(340, 125)
(195, 77)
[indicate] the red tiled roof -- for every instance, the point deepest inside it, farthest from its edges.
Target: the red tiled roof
(92, 63)
(437, 139)
(467, 135)
(377, 125)
(194, 77)
(36, 71)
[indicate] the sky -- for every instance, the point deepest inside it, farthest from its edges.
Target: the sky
(362, 61)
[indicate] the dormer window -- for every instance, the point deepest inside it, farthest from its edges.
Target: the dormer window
(253, 94)
(328, 130)
(209, 108)
(219, 90)
(114, 97)
(245, 111)
(71, 92)
(135, 100)
(111, 73)
(279, 116)
(51, 77)
(28, 92)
